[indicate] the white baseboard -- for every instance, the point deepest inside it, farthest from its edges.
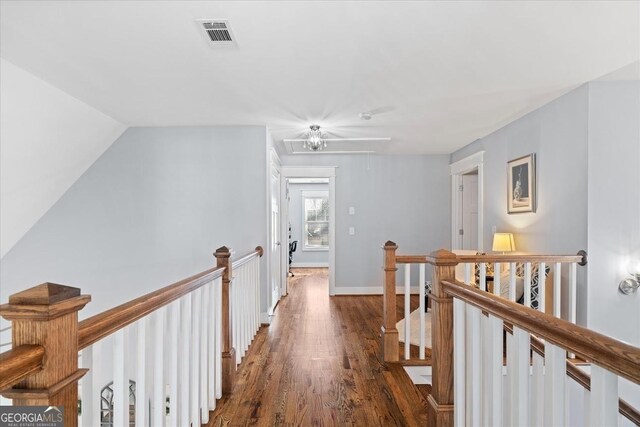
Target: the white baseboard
(369, 290)
(309, 264)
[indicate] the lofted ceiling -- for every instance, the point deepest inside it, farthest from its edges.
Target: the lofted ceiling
(441, 74)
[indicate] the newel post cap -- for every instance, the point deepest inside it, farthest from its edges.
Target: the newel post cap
(390, 245)
(43, 302)
(443, 257)
(222, 252)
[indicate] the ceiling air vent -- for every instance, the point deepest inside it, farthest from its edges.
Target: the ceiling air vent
(218, 31)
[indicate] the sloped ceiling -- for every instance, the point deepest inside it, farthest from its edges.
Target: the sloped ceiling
(443, 73)
(47, 140)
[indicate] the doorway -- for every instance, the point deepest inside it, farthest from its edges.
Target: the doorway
(469, 210)
(316, 237)
(467, 203)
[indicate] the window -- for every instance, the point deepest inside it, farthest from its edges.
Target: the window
(316, 220)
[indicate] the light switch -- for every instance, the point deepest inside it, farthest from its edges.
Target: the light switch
(352, 231)
(352, 210)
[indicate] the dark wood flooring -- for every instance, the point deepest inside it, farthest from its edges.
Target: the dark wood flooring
(318, 364)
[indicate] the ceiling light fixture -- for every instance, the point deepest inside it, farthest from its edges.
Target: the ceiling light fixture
(315, 139)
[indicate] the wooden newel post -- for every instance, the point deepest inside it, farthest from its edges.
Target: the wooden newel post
(223, 258)
(440, 401)
(390, 338)
(47, 315)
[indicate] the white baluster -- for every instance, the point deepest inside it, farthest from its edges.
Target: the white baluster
(604, 397)
(202, 339)
(542, 291)
(142, 413)
(511, 354)
(97, 349)
(174, 350)
(245, 312)
(218, 337)
(483, 277)
(158, 414)
(485, 374)
(87, 395)
(120, 380)
(496, 396)
(512, 281)
(474, 358)
(185, 346)
(459, 353)
(554, 382)
(572, 291)
(496, 279)
(557, 290)
(422, 308)
(211, 343)
(239, 310)
(195, 358)
(520, 378)
(407, 311)
(527, 284)
(537, 391)
(257, 292)
(468, 356)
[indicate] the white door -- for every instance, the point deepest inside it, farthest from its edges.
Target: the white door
(275, 255)
(470, 212)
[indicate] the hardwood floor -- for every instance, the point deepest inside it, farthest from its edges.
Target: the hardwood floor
(318, 364)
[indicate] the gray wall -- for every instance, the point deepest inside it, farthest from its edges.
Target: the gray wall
(614, 206)
(400, 198)
(150, 211)
(302, 257)
(557, 134)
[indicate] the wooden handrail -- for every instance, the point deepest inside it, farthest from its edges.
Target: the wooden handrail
(104, 324)
(520, 258)
(613, 355)
(18, 363)
(257, 252)
(412, 259)
(506, 258)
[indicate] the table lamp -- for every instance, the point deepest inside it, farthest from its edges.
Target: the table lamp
(503, 242)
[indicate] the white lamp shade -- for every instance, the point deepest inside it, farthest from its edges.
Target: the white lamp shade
(503, 242)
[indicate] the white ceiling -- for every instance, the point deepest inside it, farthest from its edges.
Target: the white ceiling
(449, 72)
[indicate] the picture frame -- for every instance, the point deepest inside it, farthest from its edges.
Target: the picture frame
(521, 184)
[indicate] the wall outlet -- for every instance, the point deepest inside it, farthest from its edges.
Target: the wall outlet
(352, 210)
(352, 231)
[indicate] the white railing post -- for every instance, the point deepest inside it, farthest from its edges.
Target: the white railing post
(407, 311)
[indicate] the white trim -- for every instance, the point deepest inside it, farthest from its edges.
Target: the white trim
(273, 170)
(309, 264)
(457, 169)
(370, 290)
(309, 172)
(308, 181)
(467, 164)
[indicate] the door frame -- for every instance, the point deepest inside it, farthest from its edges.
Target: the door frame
(308, 172)
(456, 170)
(274, 167)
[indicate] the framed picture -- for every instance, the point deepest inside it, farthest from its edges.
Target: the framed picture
(521, 184)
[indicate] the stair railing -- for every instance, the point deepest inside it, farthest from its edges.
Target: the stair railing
(160, 359)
